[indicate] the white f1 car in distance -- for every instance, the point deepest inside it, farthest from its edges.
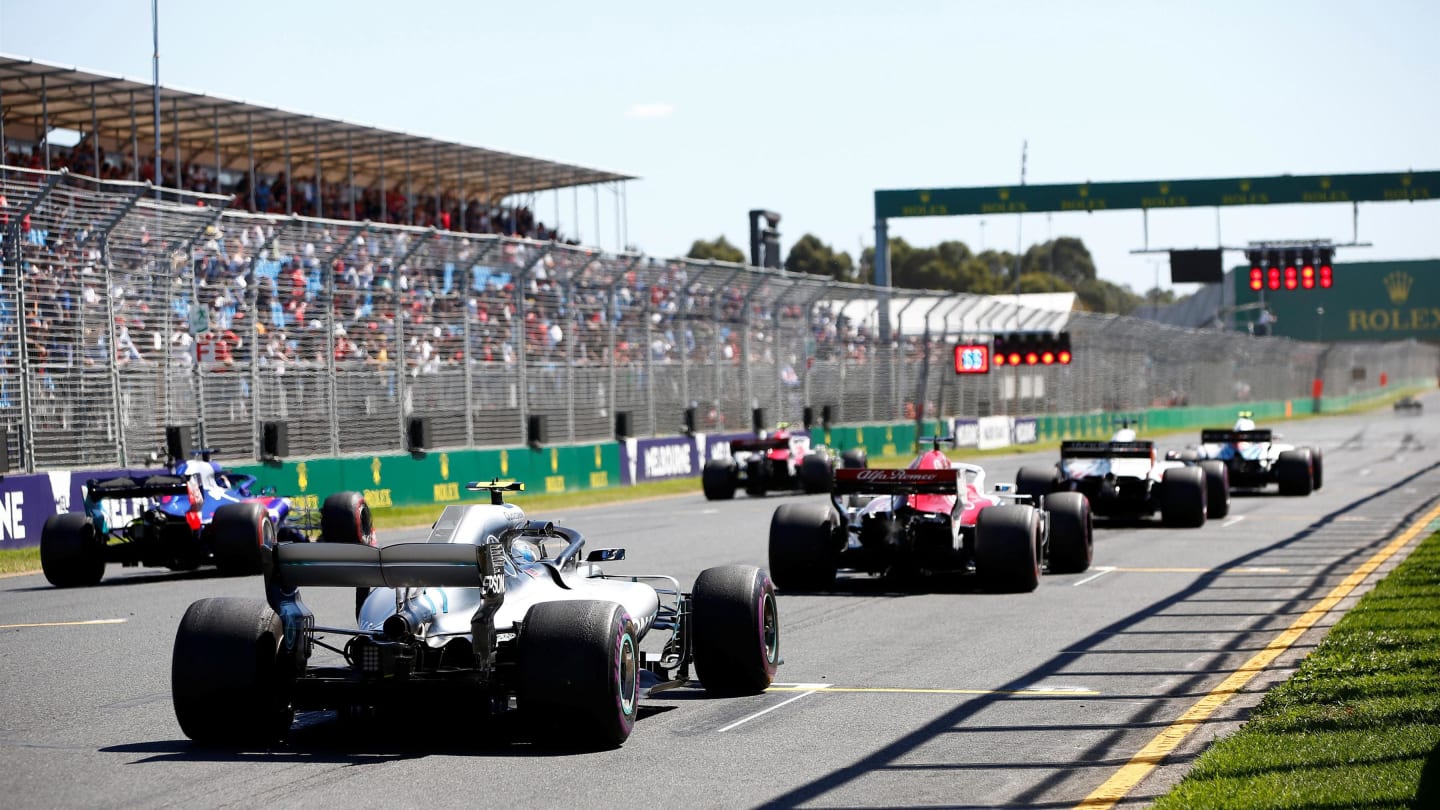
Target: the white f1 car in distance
(1122, 478)
(494, 613)
(1255, 460)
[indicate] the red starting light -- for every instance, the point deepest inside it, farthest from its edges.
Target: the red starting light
(1031, 358)
(1291, 282)
(1274, 279)
(1047, 358)
(1257, 278)
(1064, 358)
(1014, 358)
(1325, 276)
(999, 359)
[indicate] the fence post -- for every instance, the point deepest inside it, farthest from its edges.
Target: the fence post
(522, 356)
(402, 386)
(112, 363)
(332, 385)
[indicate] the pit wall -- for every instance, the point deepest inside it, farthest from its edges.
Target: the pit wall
(439, 478)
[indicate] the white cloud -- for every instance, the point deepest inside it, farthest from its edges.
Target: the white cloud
(658, 110)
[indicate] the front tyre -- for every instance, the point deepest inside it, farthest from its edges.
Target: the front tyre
(1071, 533)
(226, 675)
(579, 678)
(1317, 469)
(1035, 482)
(72, 554)
(736, 626)
(854, 459)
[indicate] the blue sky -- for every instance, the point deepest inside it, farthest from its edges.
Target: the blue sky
(807, 107)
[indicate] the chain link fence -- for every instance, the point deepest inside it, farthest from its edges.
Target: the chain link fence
(122, 313)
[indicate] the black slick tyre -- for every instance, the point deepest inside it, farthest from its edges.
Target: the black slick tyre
(237, 533)
(854, 459)
(815, 474)
(718, 479)
(1183, 502)
(1071, 533)
(227, 680)
(803, 546)
(72, 553)
(757, 476)
(1293, 470)
(1005, 548)
(1217, 488)
(345, 518)
(736, 626)
(1036, 482)
(1317, 469)
(579, 673)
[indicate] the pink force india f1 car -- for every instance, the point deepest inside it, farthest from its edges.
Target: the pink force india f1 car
(934, 517)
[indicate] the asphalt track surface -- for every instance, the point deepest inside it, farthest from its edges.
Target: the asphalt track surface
(954, 698)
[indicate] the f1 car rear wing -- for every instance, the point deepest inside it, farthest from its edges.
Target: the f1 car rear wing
(1234, 436)
(896, 482)
(402, 565)
(758, 445)
(151, 487)
(1106, 449)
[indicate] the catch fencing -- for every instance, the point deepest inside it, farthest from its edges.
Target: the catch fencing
(122, 312)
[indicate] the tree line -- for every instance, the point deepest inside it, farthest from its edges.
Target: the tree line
(1056, 265)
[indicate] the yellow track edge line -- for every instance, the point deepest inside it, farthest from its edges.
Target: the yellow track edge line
(1119, 785)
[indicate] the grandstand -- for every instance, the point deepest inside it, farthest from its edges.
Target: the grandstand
(271, 160)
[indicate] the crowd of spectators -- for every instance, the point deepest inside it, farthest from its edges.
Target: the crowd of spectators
(320, 297)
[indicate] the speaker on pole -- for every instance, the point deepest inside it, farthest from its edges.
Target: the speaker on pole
(178, 442)
(274, 440)
(757, 419)
(624, 425)
(417, 434)
(535, 431)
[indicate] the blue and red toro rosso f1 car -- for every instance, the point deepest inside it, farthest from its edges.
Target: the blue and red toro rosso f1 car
(196, 514)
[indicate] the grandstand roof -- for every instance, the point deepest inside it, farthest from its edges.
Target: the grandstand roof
(71, 98)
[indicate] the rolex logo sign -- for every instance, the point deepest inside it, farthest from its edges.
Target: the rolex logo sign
(1398, 284)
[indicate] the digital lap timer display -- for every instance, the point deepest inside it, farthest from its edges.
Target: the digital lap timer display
(972, 358)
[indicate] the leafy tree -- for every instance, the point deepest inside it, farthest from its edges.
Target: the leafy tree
(718, 249)
(810, 255)
(1099, 295)
(1065, 258)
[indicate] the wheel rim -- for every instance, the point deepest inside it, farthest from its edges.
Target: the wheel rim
(628, 673)
(769, 628)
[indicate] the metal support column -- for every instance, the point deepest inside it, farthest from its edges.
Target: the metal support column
(402, 388)
(332, 384)
(13, 254)
(103, 233)
(522, 354)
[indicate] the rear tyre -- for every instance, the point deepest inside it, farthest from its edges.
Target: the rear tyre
(737, 630)
(1317, 469)
(1071, 533)
(237, 533)
(815, 474)
(72, 553)
(227, 678)
(1293, 469)
(718, 479)
(1183, 497)
(579, 680)
(757, 476)
(1217, 489)
(854, 459)
(803, 546)
(1005, 548)
(345, 518)
(1036, 482)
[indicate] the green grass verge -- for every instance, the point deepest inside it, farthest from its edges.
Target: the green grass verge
(20, 560)
(1358, 725)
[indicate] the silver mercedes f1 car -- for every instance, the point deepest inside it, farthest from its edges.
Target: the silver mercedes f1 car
(495, 612)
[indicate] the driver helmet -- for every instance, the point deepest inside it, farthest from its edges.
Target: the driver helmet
(524, 550)
(1244, 423)
(1125, 435)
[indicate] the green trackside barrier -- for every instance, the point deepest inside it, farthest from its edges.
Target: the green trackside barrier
(439, 477)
